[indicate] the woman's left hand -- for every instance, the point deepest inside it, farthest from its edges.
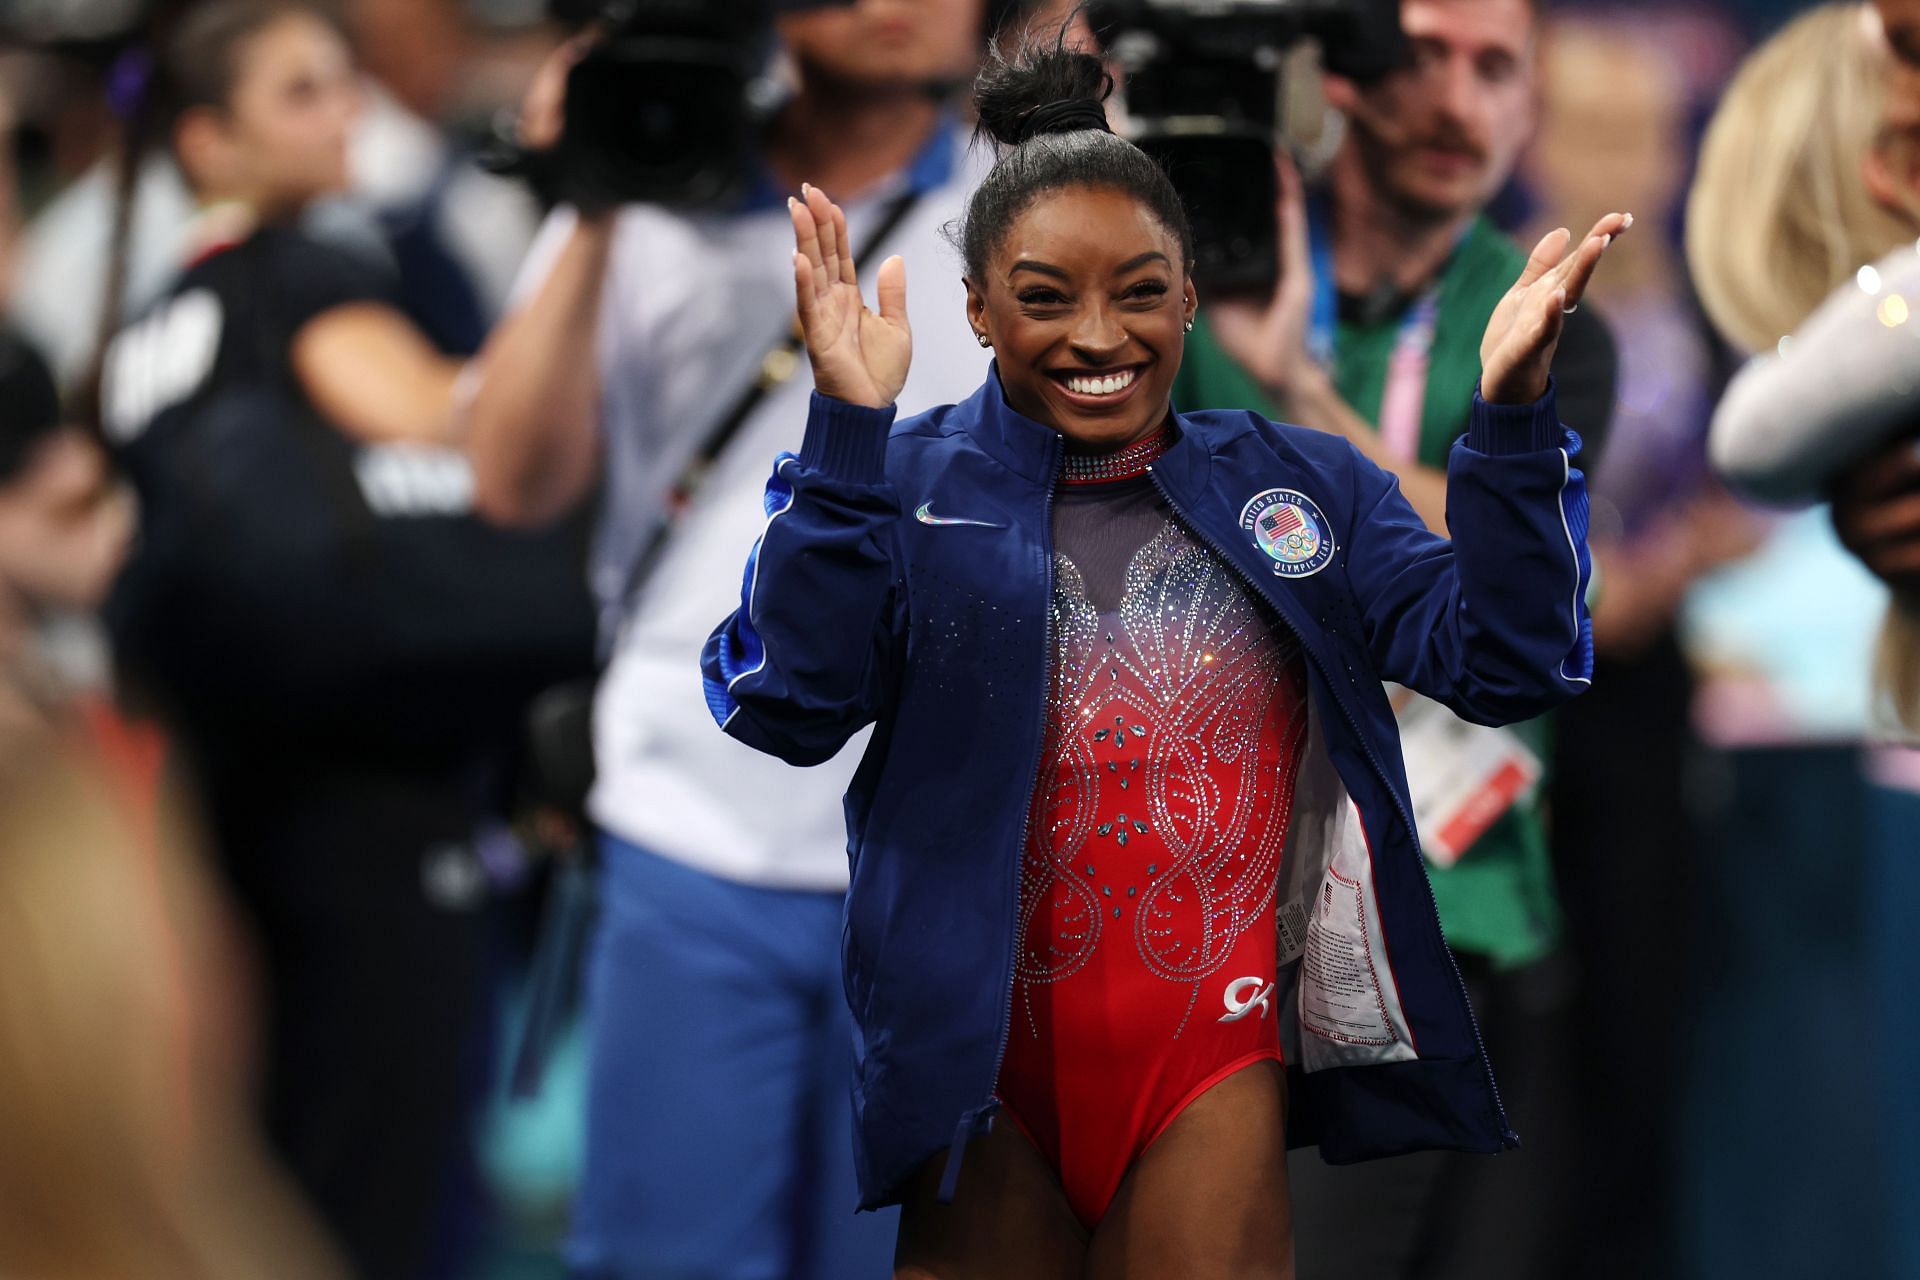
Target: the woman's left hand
(1517, 351)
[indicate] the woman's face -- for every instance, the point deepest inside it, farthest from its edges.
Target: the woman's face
(284, 133)
(1086, 299)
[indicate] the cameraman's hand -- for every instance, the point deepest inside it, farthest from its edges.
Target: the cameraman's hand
(1516, 353)
(1268, 337)
(543, 111)
(857, 356)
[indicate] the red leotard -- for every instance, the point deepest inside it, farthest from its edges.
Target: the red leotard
(1147, 950)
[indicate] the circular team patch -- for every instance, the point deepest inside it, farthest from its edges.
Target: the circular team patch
(1287, 525)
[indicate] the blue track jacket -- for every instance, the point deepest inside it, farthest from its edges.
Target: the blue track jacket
(903, 580)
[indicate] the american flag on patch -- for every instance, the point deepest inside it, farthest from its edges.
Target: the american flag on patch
(1281, 521)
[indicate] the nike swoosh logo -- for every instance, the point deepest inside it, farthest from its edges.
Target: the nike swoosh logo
(925, 516)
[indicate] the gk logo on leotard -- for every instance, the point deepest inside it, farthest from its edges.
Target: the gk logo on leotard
(1239, 1004)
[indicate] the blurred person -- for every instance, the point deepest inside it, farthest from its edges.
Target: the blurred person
(126, 1147)
(456, 232)
(1805, 125)
(1401, 217)
(1616, 123)
(652, 350)
(1388, 274)
(1802, 425)
(1188, 671)
(416, 203)
(342, 650)
(1798, 189)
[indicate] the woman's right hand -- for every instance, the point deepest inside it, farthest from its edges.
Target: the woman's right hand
(857, 356)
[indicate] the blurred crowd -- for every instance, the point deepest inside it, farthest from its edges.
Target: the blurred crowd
(335, 462)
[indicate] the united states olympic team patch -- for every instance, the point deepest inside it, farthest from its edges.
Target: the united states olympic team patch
(1287, 525)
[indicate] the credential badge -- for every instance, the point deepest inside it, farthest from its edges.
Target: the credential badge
(1287, 525)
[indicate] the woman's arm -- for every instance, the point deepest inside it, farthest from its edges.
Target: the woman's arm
(1494, 622)
(374, 375)
(805, 660)
(1844, 384)
(803, 663)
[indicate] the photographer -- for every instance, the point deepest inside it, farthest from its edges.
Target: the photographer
(717, 1023)
(1372, 332)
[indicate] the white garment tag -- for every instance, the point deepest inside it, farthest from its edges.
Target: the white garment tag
(1342, 999)
(1462, 776)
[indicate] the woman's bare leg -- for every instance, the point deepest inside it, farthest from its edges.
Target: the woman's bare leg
(1009, 1219)
(1208, 1200)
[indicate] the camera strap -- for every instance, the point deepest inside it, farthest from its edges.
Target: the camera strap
(776, 368)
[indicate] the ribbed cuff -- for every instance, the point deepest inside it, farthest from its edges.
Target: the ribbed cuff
(1514, 428)
(846, 441)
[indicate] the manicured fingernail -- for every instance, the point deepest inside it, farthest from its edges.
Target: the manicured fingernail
(791, 202)
(1605, 241)
(805, 189)
(1627, 223)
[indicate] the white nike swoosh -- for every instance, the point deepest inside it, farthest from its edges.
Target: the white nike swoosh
(925, 516)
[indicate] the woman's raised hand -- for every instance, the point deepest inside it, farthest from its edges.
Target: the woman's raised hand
(1517, 351)
(857, 356)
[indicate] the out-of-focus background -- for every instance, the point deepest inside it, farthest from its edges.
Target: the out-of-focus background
(1735, 859)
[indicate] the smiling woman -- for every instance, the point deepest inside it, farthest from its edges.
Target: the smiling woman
(1132, 866)
(1083, 295)
(1085, 300)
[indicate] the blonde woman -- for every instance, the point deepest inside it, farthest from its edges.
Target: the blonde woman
(1807, 192)
(1805, 178)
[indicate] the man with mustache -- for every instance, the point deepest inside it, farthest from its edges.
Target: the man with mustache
(1389, 272)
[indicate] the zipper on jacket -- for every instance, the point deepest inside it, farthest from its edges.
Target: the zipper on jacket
(950, 1179)
(1380, 772)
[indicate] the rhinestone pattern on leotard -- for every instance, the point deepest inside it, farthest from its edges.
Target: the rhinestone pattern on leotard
(1174, 723)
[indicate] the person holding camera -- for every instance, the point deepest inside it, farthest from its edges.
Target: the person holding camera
(1388, 274)
(651, 352)
(1131, 832)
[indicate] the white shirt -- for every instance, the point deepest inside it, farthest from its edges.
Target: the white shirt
(691, 306)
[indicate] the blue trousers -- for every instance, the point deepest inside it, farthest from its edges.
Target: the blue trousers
(719, 1137)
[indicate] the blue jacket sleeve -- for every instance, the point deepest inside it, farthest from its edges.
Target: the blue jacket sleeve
(802, 664)
(1494, 623)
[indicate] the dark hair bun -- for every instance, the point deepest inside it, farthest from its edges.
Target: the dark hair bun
(1044, 106)
(1041, 90)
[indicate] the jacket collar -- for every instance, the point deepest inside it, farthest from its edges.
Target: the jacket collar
(1031, 449)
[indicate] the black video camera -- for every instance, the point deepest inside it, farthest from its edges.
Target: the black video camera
(1203, 90)
(667, 104)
